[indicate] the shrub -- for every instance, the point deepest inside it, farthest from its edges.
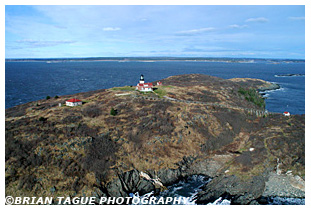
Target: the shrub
(113, 112)
(253, 96)
(242, 91)
(56, 96)
(42, 119)
(48, 97)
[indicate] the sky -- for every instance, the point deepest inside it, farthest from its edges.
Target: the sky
(136, 30)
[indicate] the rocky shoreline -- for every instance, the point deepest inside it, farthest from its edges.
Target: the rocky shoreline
(272, 86)
(258, 84)
(254, 191)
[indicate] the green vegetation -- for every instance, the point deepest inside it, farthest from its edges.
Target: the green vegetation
(125, 88)
(48, 97)
(253, 96)
(42, 119)
(56, 97)
(166, 86)
(160, 92)
(113, 112)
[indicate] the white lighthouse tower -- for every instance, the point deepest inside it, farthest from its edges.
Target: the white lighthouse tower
(142, 86)
(141, 81)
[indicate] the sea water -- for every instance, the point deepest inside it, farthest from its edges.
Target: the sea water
(30, 81)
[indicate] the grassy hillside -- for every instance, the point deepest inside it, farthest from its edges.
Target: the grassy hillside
(75, 151)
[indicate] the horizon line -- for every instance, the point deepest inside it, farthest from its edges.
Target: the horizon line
(153, 57)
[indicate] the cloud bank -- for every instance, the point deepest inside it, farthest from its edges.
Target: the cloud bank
(257, 20)
(193, 32)
(111, 29)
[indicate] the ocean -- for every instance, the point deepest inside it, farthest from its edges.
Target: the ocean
(30, 81)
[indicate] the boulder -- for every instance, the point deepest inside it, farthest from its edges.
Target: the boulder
(239, 191)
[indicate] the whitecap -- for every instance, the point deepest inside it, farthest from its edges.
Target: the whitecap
(220, 201)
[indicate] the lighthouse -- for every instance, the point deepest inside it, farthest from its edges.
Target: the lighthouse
(142, 86)
(141, 81)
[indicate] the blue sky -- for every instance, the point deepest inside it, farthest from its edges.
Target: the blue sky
(183, 31)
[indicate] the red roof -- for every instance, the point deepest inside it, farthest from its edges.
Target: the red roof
(74, 100)
(145, 85)
(286, 112)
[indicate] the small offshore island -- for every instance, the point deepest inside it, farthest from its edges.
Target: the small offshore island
(119, 141)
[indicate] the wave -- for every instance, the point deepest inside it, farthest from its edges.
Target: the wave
(266, 93)
(220, 201)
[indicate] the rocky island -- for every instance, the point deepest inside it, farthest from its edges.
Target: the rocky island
(190, 125)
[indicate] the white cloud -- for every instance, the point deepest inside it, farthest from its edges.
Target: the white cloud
(194, 31)
(258, 20)
(205, 49)
(43, 43)
(296, 18)
(111, 29)
(238, 26)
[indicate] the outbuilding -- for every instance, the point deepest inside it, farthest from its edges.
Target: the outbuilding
(73, 102)
(286, 113)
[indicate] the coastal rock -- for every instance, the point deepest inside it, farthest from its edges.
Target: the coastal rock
(144, 187)
(284, 185)
(116, 189)
(239, 191)
(271, 86)
(258, 84)
(129, 182)
(169, 176)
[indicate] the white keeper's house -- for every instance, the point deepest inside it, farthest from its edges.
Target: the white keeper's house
(144, 87)
(73, 102)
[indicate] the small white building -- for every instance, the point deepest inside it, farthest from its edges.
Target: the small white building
(144, 87)
(159, 83)
(286, 113)
(73, 102)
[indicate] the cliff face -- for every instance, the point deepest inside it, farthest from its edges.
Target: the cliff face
(185, 127)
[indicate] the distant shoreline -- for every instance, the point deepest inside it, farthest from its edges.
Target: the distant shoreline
(154, 59)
